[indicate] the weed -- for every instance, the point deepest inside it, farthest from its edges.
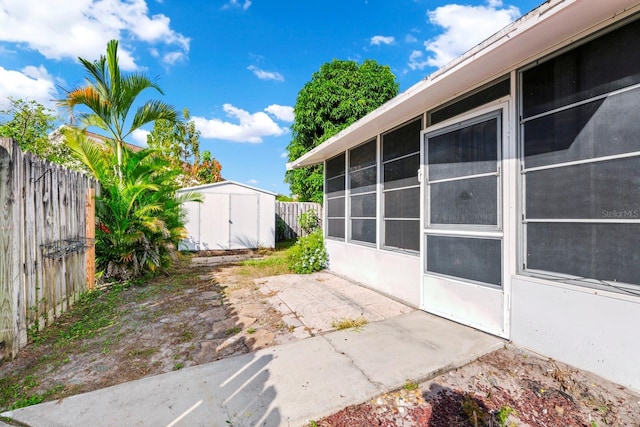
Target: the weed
(502, 415)
(232, 331)
(144, 352)
(251, 330)
(312, 423)
(476, 414)
(348, 323)
(410, 385)
(187, 335)
(178, 366)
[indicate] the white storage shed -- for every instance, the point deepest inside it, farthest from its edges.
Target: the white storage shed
(231, 216)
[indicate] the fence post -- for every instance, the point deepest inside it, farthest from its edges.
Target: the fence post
(90, 234)
(9, 335)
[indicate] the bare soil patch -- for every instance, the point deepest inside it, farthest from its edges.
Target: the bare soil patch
(508, 387)
(193, 315)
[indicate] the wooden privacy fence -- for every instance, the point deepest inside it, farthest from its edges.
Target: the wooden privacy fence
(287, 214)
(46, 242)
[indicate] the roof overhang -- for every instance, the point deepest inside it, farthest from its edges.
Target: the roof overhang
(543, 30)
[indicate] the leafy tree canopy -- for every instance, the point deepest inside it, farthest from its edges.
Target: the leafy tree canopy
(30, 123)
(179, 141)
(337, 95)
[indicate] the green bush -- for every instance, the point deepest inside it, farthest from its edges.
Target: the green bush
(308, 254)
(309, 221)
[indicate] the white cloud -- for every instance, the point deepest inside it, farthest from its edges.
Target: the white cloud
(250, 127)
(252, 181)
(464, 27)
(32, 83)
(173, 57)
(378, 40)
(60, 30)
(284, 154)
(410, 38)
(281, 112)
(235, 3)
(139, 137)
(265, 75)
(417, 61)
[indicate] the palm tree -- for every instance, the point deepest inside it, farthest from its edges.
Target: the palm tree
(139, 217)
(109, 95)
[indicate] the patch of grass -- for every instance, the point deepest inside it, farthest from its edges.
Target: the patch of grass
(187, 335)
(34, 399)
(143, 352)
(178, 366)
(410, 385)
(251, 331)
(232, 331)
(349, 323)
(273, 263)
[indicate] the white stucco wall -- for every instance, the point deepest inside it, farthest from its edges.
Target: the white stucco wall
(391, 273)
(587, 328)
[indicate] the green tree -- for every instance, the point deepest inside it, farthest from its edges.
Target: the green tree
(337, 95)
(31, 123)
(209, 170)
(179, 141)
(109, 95)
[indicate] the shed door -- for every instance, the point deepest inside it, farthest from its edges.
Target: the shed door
(244, 221)
(463, 277)
(214, 222)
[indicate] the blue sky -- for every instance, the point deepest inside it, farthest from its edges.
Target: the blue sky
(236, 64)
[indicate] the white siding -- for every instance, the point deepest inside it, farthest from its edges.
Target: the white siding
(391, 273)
(589, 329)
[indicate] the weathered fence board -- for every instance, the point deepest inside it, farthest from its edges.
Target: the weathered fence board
(288, 213)
(43, 265)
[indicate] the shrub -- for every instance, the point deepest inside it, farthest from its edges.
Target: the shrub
(308, 254)
(309, 221)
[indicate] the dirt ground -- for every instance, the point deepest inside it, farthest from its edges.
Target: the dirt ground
(509, 387)
(199, 314)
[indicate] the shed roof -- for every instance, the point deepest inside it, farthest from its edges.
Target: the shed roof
(223, 183)
(544, 29)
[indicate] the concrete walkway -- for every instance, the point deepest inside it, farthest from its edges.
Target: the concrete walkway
(287, 385)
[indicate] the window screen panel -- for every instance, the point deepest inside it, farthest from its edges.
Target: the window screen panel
(605, 64)
(335, 228)
(335, 186)
(470, 150)
(465, 201)
(603, 127)
(363, 230)
(482, 97)
(402, 203)
(402, 141)
(364, 205)
(335, 207)
(402, 234)
(601, 190)
(335, 166)
(362, 156)
(402, 172)
(363, 180)
(596, 251)
(467, 258)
